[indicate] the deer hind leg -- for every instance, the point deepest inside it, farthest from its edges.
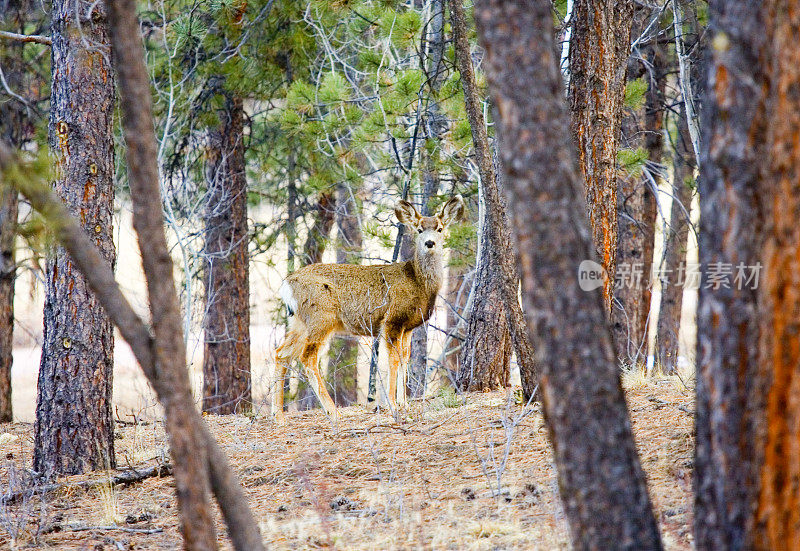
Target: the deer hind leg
(291, 349)
(310, 364)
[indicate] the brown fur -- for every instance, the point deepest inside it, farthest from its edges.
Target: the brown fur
(362, 300)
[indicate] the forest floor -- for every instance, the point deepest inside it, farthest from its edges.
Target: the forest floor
(471, 472)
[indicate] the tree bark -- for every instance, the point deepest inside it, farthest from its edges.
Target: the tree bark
(321, 230)
(777, 511)
(486, 352)
(601, 481)
(343, 356)
(226, 353)
(74, 430)
(496, 317)
(8, 274)
(162, 367)
(747, 494)
(636, 198)
(598, 58)
(669, 317)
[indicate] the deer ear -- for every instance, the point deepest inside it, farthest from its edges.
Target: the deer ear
(452, 210)
(407, 213)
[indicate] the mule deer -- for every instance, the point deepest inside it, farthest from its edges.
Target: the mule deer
(323, 299)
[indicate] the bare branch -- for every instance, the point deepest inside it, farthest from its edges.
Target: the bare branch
(38, 39)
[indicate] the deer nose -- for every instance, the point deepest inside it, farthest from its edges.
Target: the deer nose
(430, 244)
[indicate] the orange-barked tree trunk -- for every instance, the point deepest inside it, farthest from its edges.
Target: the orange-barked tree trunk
(747, 490)
(598, 57)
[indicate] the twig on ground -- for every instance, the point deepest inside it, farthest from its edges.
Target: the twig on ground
(118, 528)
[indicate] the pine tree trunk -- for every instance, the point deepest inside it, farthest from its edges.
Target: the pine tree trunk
(669, 317)
(654, 143)
(74, 428)
(598, 59)
(495, 320)
(636, 198)
(729, 393)
(226, 353)
(601, 481)
(486, 353)
(321, 230)
(343, 364)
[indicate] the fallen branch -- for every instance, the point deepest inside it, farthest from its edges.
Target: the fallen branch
(118, 528)
(122, 479)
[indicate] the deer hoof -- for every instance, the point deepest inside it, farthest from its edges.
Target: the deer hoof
(280, 419)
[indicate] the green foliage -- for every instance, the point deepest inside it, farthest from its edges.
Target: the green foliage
(459, 235)
(559, 12)
(333, 88)
(691, 183)
(632, 161)
(28, 176)
(447, 398)
(635, 91)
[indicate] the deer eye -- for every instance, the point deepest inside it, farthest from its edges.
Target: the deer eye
(440, 230)
(420, 230)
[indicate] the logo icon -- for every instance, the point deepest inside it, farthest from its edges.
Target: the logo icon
(590, 275)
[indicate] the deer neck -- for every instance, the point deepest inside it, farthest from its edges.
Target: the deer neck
(429, 271)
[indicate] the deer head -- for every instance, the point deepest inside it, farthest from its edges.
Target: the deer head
(429, 230)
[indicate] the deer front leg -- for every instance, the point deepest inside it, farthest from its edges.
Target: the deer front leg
(394, 360)
(394, 343)
(309, 360)
(402, 370)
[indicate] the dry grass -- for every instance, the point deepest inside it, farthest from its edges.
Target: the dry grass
(429, 483)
